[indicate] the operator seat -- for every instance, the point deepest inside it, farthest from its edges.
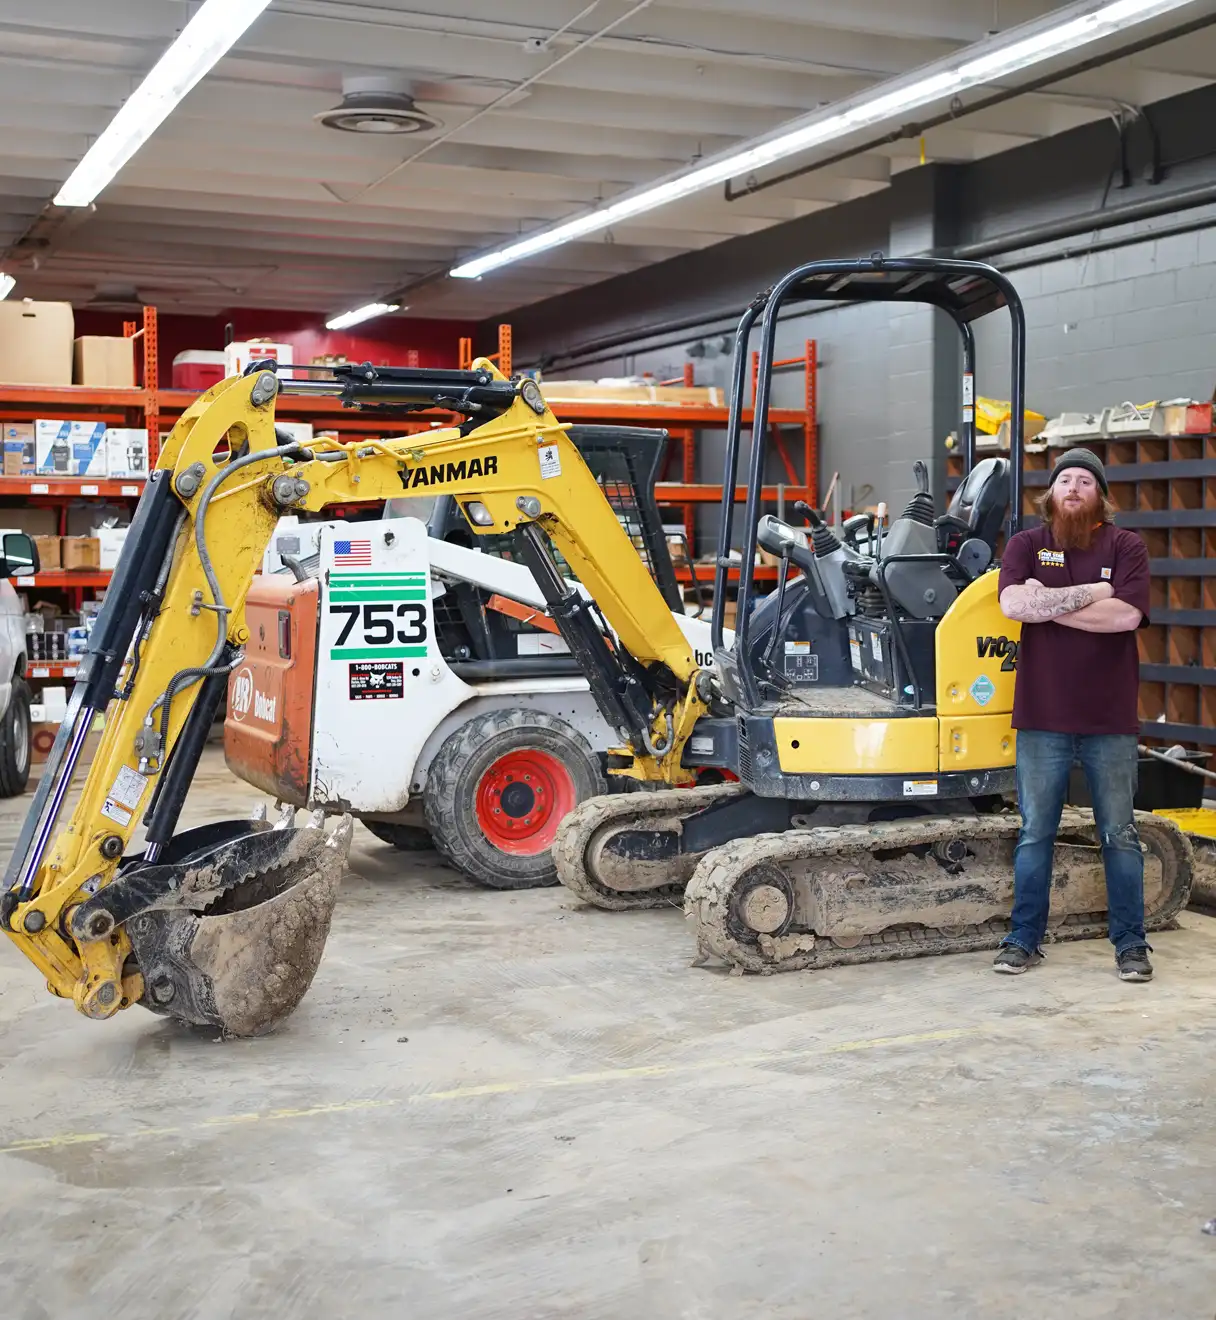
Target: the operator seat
(971, 525)
(923, 586)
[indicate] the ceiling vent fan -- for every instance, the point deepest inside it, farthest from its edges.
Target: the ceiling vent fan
(377, 105)
(114, 297)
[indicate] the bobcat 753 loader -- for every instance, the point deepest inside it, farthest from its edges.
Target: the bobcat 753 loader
(480, 751)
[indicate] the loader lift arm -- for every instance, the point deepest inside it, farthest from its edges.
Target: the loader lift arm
(225, 925)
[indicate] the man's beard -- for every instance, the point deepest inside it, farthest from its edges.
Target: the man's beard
(1073, 526)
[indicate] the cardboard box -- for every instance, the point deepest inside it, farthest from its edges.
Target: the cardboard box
(104, 361)
(85, 516)
(36, 343)
(43, 734)
(81, 552)
(111, 541)
(50, 551)
(31, 521)
(127, 452)
(238, 355)
(19, 449)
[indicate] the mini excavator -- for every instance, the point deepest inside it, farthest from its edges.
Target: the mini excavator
(864, 707)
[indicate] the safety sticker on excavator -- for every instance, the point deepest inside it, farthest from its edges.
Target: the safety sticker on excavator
(550, 461)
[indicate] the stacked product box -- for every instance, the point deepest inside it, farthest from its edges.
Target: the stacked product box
(56, 448)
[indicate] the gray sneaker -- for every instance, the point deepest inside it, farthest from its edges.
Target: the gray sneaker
(1013, 960)
(1133, 965)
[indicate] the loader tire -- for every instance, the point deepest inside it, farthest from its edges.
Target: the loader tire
(16, 735)
(499, 788)
(408, 838)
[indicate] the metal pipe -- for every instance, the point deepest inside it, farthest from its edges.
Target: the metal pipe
(951, 116)
(1049, 231)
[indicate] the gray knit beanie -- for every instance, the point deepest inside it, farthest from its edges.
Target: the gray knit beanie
(1082, 458)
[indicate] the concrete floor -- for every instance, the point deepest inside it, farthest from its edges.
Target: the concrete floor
(494, 1105)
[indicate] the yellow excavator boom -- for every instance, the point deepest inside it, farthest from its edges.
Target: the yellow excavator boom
(227, 925)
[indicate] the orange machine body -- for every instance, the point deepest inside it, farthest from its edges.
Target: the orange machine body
(268, 729)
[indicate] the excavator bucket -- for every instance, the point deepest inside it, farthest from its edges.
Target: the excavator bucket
(237, 933)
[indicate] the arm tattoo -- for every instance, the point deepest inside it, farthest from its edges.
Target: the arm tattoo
(1037, 604)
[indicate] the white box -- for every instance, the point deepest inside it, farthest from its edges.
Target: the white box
(127, 452)
(55, 703)
(69, 449)
(112, 540)
(238, 355)
(88, 449)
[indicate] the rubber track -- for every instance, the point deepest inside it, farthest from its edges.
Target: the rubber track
(1203, 887)
(707, 898)
(626, 810)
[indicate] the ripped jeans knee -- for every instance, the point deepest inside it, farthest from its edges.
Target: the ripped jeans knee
(1126, 838)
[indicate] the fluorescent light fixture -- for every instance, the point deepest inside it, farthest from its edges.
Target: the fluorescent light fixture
(7, 285)
(216, 27)
(364, 313)
(1019, 48)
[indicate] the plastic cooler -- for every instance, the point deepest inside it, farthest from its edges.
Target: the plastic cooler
(197, 369)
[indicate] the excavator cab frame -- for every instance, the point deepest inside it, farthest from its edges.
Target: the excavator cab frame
(964, 290)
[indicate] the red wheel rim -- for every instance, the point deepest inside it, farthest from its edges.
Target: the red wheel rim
(522, 799)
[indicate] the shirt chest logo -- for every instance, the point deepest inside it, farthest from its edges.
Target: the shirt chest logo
(1106, 574)
(1051, 558)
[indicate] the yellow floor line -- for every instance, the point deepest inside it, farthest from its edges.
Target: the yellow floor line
(520, 1086)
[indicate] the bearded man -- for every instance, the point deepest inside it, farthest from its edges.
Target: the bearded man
(1079, 586)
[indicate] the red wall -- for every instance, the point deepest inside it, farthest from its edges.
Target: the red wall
(383, 342)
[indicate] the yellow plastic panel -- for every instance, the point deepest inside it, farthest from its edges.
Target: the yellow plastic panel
(856, 747)
(977, 742)
(976, 648)
(1191, 820)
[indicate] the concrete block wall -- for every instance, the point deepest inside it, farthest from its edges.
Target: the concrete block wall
(1137, 323)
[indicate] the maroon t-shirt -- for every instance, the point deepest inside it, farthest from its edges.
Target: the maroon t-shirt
(1069, 681)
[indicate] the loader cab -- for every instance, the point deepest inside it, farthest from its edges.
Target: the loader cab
(857, 609)
(474, 627)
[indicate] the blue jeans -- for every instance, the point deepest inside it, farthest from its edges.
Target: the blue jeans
(1044, 762)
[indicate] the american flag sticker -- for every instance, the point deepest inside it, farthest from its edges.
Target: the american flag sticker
(352, 554)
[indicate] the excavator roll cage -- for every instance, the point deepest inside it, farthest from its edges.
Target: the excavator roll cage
(964, 290)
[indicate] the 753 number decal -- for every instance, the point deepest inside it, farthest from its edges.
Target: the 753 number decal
(381, 625)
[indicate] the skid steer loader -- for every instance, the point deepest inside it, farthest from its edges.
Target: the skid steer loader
(496, 737)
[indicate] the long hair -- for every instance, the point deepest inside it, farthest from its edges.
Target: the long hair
(1106, 507)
